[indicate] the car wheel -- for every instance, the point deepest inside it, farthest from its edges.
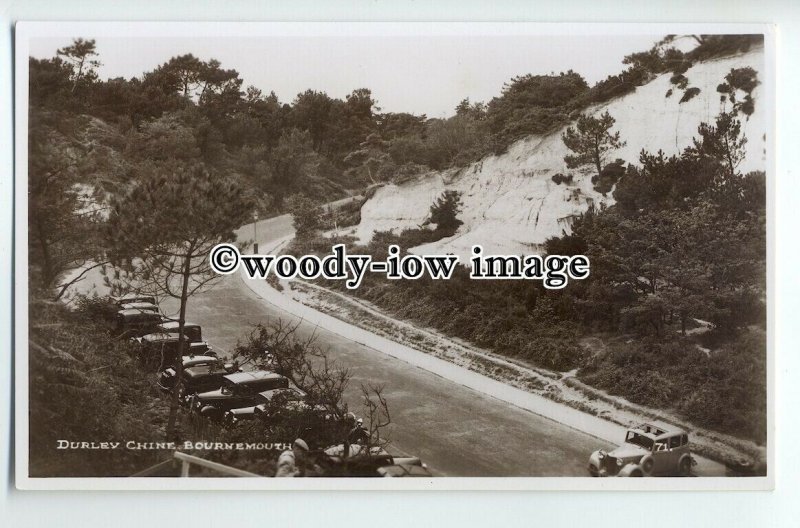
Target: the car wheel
(211, 413)
(686, 467)
(637, 473)
(647, 464)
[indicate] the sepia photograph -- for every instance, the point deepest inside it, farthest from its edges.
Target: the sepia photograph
(465, 256)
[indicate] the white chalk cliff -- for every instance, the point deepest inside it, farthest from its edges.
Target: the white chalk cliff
(510, 203)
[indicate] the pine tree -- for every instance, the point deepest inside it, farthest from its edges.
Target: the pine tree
(80, 54)
(723, 142)
(591, 140)
(162, 231)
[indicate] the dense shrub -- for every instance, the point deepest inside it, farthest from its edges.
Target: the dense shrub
(532, 104)
(610, 175)
(86, 386)
(497, 315)
(740, 79)
(712, 46)
(444, 212)
(689, 94)
(679, 80)
(724, 389)
(559, 178)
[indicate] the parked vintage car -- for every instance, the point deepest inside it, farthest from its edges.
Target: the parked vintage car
(135, 322)
(371, 462)
(159, 350)
(204, 378)
(240, 389)
(192, 331)
(168, 378)
(133, 298)
(145, 306)
(270, 402)
(650, 449)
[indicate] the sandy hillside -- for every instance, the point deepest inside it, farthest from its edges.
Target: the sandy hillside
(511, 205)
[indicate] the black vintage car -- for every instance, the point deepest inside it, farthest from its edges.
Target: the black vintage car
(136, 322)
(159, 350)
(192, 331)
(240, 389)
(207, 362)
(204, 378)
(267, 403)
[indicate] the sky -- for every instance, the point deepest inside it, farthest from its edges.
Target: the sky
(417, 74)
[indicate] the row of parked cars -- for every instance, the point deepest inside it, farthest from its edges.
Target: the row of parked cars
(222, 391)
(208, 384)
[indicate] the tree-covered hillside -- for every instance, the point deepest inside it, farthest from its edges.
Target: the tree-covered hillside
(677, 291)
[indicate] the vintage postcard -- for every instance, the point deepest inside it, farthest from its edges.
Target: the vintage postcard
(394, 256)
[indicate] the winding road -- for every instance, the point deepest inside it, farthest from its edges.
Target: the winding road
(456, 430)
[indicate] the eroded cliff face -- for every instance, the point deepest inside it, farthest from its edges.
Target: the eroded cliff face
(510, 203)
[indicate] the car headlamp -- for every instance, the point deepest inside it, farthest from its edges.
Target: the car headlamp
(619, 462)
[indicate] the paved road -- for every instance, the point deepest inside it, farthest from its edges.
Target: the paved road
(455, 430)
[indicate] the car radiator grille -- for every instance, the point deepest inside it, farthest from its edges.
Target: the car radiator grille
(610, 465)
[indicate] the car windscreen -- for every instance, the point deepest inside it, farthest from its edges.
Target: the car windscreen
(638, 439)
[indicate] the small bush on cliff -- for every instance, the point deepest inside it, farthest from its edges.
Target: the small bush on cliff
(610, 175)
(444, 211)
(560, 178)
(689, 94)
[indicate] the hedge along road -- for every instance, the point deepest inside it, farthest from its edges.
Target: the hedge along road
(456, 430)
